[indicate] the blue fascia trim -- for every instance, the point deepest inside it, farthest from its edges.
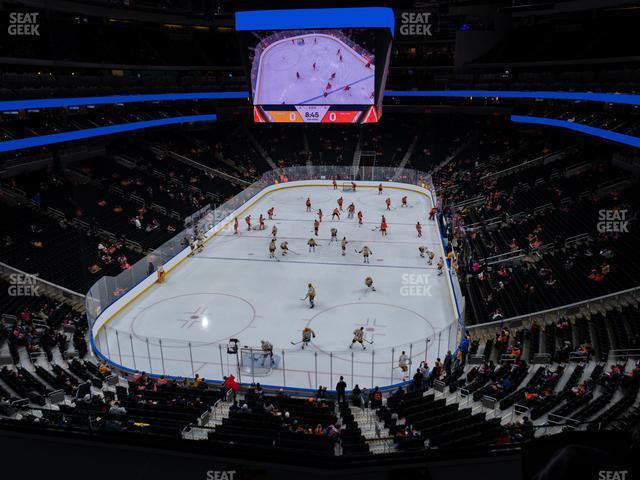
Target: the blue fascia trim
(623, 98)
(39, 141)
(579, 127)
(112, 99)
(316, 18)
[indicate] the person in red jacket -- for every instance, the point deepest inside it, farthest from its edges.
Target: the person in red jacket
(230, 385)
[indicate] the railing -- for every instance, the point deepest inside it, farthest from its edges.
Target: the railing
(26, 284)
(206, 168)
(623, 354)
(294, 368)
(555, 313)
(543, 159)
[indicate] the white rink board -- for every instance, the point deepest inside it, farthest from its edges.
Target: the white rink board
(233, 290)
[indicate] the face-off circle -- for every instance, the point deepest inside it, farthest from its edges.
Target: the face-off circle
(200, 318)
(385, 324)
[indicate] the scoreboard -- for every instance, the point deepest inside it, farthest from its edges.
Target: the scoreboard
(315, 114)
(316, 65)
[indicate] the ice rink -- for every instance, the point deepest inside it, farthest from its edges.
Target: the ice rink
(232, 289)
(277, 82)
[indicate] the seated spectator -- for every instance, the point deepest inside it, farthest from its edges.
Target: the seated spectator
(375, 398)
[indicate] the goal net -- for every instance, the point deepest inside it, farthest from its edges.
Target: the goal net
(253, 361)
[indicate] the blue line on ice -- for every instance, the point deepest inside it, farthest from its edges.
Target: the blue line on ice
(336, 90)
(316, 263)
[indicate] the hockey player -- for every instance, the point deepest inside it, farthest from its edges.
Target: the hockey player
(261, 225)
(235, 226)
(316, 226)
(274, 232)
(366, 252)
(329, 86)
(333, 76)
(314, 66)
(404, 201)
(359, 217)
(192, 246)
(419, 229)
(272, 248)
(430, 256)
(161, 274)
(358, 337)
(308, 204)
(247, 219)
(335, 184)
(383, 226)
(432, 213)
(388, 202)
(336, 213)
(440, 266)
(422, 251)
(311, 295)
(312, 245)
(403, 363)
(340, 201)
(199, 241)
(343, 245)
(368, 281)
(320, 214)
(351, 210)
(270, 213)
(380, 189)
(267, 349)
(307, 333)
(334, 235)
(346, 88)
(298, 75)
(284, 247)
(353, 186)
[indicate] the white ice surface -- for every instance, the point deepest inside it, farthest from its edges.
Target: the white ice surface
(233, 290)
(277, 82)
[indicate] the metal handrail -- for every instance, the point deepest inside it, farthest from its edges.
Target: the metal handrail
(553, 310)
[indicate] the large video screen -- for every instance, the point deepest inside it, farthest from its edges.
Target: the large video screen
(315, 76)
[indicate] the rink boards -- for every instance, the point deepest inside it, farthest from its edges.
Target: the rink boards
(149, 332)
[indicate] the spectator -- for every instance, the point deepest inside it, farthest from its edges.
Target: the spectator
(417, 380)
(376, 398)
(447, 363)
(341, 387)
(117, 409)
(355, 396)
(230, 386)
